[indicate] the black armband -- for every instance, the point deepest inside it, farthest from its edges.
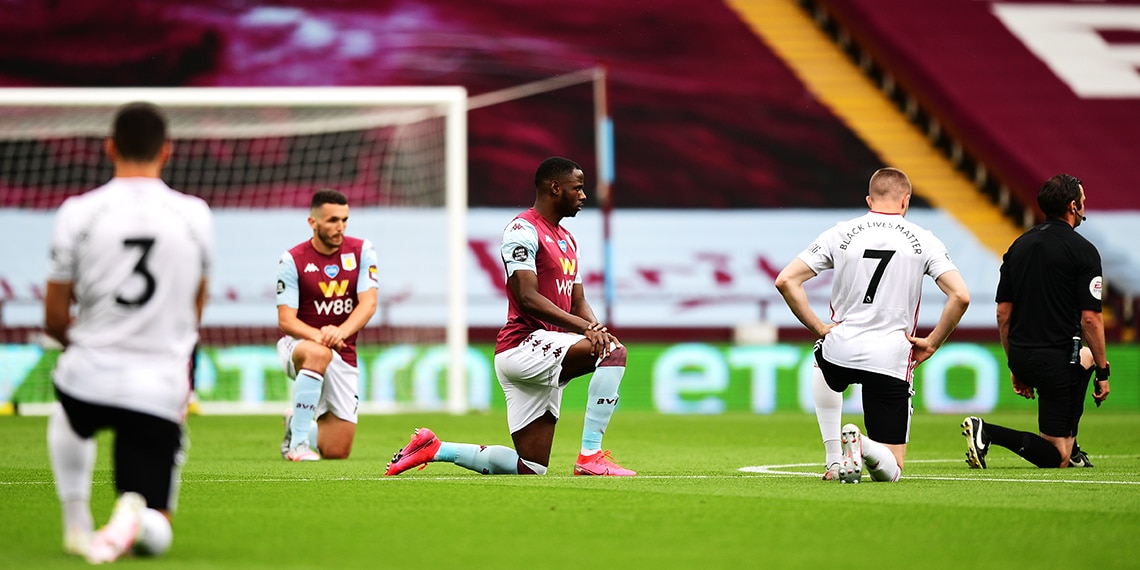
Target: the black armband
(1102, 373)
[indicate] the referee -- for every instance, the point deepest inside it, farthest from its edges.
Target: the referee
(1049, 300)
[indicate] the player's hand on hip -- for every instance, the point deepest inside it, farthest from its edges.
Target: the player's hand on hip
(822, 332)
(921, 349)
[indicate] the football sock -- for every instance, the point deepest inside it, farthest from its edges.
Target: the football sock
(313, 433)
(880, 461)
(602, 399)
(485, 459)
(1003, 436)
(72, 462)
(1030, 446)
(306, 394)
(447, 451)
(829, 415)
(1039, 451)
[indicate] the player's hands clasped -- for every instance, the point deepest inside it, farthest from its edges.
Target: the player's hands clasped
(601, 341)
(332, 336)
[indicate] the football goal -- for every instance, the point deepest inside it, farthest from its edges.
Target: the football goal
(256, 155)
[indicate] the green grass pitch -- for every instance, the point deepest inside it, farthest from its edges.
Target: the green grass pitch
(691, 506)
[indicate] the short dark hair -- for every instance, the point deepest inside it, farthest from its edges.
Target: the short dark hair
(554, 167)
(327, 196)
(1056, 194)
(139, 131)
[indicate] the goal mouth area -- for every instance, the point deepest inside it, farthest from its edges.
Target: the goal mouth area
(242, 147)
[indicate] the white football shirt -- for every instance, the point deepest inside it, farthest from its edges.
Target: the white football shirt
(135, 252)
(879, 261)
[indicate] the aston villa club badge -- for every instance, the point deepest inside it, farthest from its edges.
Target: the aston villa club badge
(348, 261)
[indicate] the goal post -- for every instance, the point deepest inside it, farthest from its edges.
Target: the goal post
(390, 149)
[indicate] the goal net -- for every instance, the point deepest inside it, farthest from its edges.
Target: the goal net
(256, 155)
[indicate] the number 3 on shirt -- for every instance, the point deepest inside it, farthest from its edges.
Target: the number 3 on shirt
(884, 256)
(140, 268)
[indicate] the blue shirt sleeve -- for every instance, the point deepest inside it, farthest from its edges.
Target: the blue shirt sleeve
(368, 261)
(520, 246)
(288, 290)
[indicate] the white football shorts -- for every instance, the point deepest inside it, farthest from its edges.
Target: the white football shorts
(339, 392)
(529, 375)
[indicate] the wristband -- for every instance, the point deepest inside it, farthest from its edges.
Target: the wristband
(1102, 373)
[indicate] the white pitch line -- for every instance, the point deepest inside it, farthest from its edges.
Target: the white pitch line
(467, 478)
(778, 470)
(751, 472)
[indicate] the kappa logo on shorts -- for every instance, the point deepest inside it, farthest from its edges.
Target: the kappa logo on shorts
(546, 348)
(558, 352)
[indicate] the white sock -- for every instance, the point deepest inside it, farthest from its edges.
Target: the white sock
(829, 414)
(832, 452)
(72, 462)
(880, 461)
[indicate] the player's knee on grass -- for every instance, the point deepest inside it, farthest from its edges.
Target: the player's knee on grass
(339, 451)
(335, 437)
(530, 468)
